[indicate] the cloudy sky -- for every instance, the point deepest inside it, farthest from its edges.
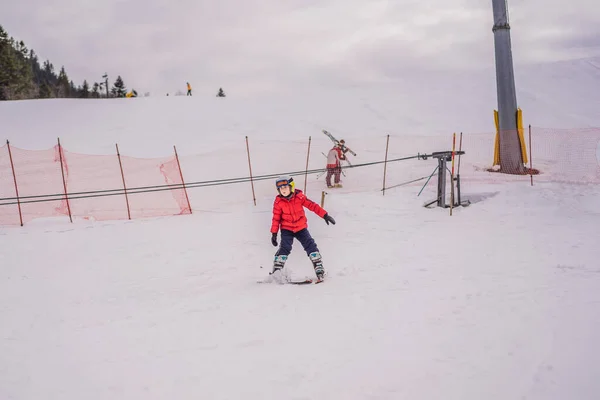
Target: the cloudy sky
(251, 45)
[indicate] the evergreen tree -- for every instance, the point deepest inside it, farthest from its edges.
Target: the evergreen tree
(119, 88)
(85, 90)
(6, 64)
(24, 87)
(95, 90)
(221, 93)
(49, 75)
(22, 76)
(63, 85)
(10, 68)
(73, 91)
(45, 91)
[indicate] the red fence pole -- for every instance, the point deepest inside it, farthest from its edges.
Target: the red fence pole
(182, 181)
(15, 179)
(385, 162)
(306, 170)
(62, 170)
(124, 186)
(250, 166)
(530, 160)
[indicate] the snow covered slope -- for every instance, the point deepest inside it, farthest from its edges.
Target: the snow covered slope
(499, 301)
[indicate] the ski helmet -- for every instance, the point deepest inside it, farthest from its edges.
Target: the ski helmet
(285, 181)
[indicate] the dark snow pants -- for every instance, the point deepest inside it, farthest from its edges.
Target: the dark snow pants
(303, 236)
(336, 172)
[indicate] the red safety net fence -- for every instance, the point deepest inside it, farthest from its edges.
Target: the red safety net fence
(59, 183)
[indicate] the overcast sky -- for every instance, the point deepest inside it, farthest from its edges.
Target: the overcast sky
(249, 45)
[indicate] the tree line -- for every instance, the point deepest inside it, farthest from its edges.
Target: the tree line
(22, 77)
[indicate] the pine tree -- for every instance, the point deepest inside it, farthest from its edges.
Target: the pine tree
(36, 71)
(119, 88)
(7, 65)
(73, 91)
(49, 74)
(22, 76)
(15, 69)
(45, 91)
(95, 90)
(48, 81)
(85, 90)
(24, 82)
(63, 85)
(221, 93)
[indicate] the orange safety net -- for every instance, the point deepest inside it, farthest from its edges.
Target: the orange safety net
(94, 186)
(109, 187)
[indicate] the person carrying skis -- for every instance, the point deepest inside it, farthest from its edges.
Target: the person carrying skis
(334, 166)
(289, 216)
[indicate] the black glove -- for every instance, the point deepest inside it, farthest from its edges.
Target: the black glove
(274, 239)
(329, 219)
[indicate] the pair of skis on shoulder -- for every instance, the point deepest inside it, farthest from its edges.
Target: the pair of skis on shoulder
(334, 140)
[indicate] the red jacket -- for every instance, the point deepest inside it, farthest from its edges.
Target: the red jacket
(289, 213)
(334, 156)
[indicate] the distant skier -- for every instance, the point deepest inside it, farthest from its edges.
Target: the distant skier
(189, 89)
(334, 166)
(288, 214)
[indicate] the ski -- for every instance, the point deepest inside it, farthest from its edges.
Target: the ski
(334, 140)
(283, 280)
(271, 279)
(306, 281)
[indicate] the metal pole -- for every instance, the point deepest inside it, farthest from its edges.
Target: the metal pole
(250, 167)
(441, 195)
(511, 160)
(124, 186)
(62, 170)
(530, 160)
(12, 165)
(182, 181)
(306, 170)
(452, 174)
(435, 169)
(385, 162)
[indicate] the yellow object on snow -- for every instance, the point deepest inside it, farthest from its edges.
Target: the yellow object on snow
(520, 131)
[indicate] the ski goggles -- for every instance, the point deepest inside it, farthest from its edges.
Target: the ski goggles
(283, 183)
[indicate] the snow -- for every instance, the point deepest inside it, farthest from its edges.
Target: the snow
(498, 301)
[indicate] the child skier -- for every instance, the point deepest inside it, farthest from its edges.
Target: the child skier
(288, 213)
(334, 166)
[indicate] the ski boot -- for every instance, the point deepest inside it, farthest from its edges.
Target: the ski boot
(315, 257)
(278, 264)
